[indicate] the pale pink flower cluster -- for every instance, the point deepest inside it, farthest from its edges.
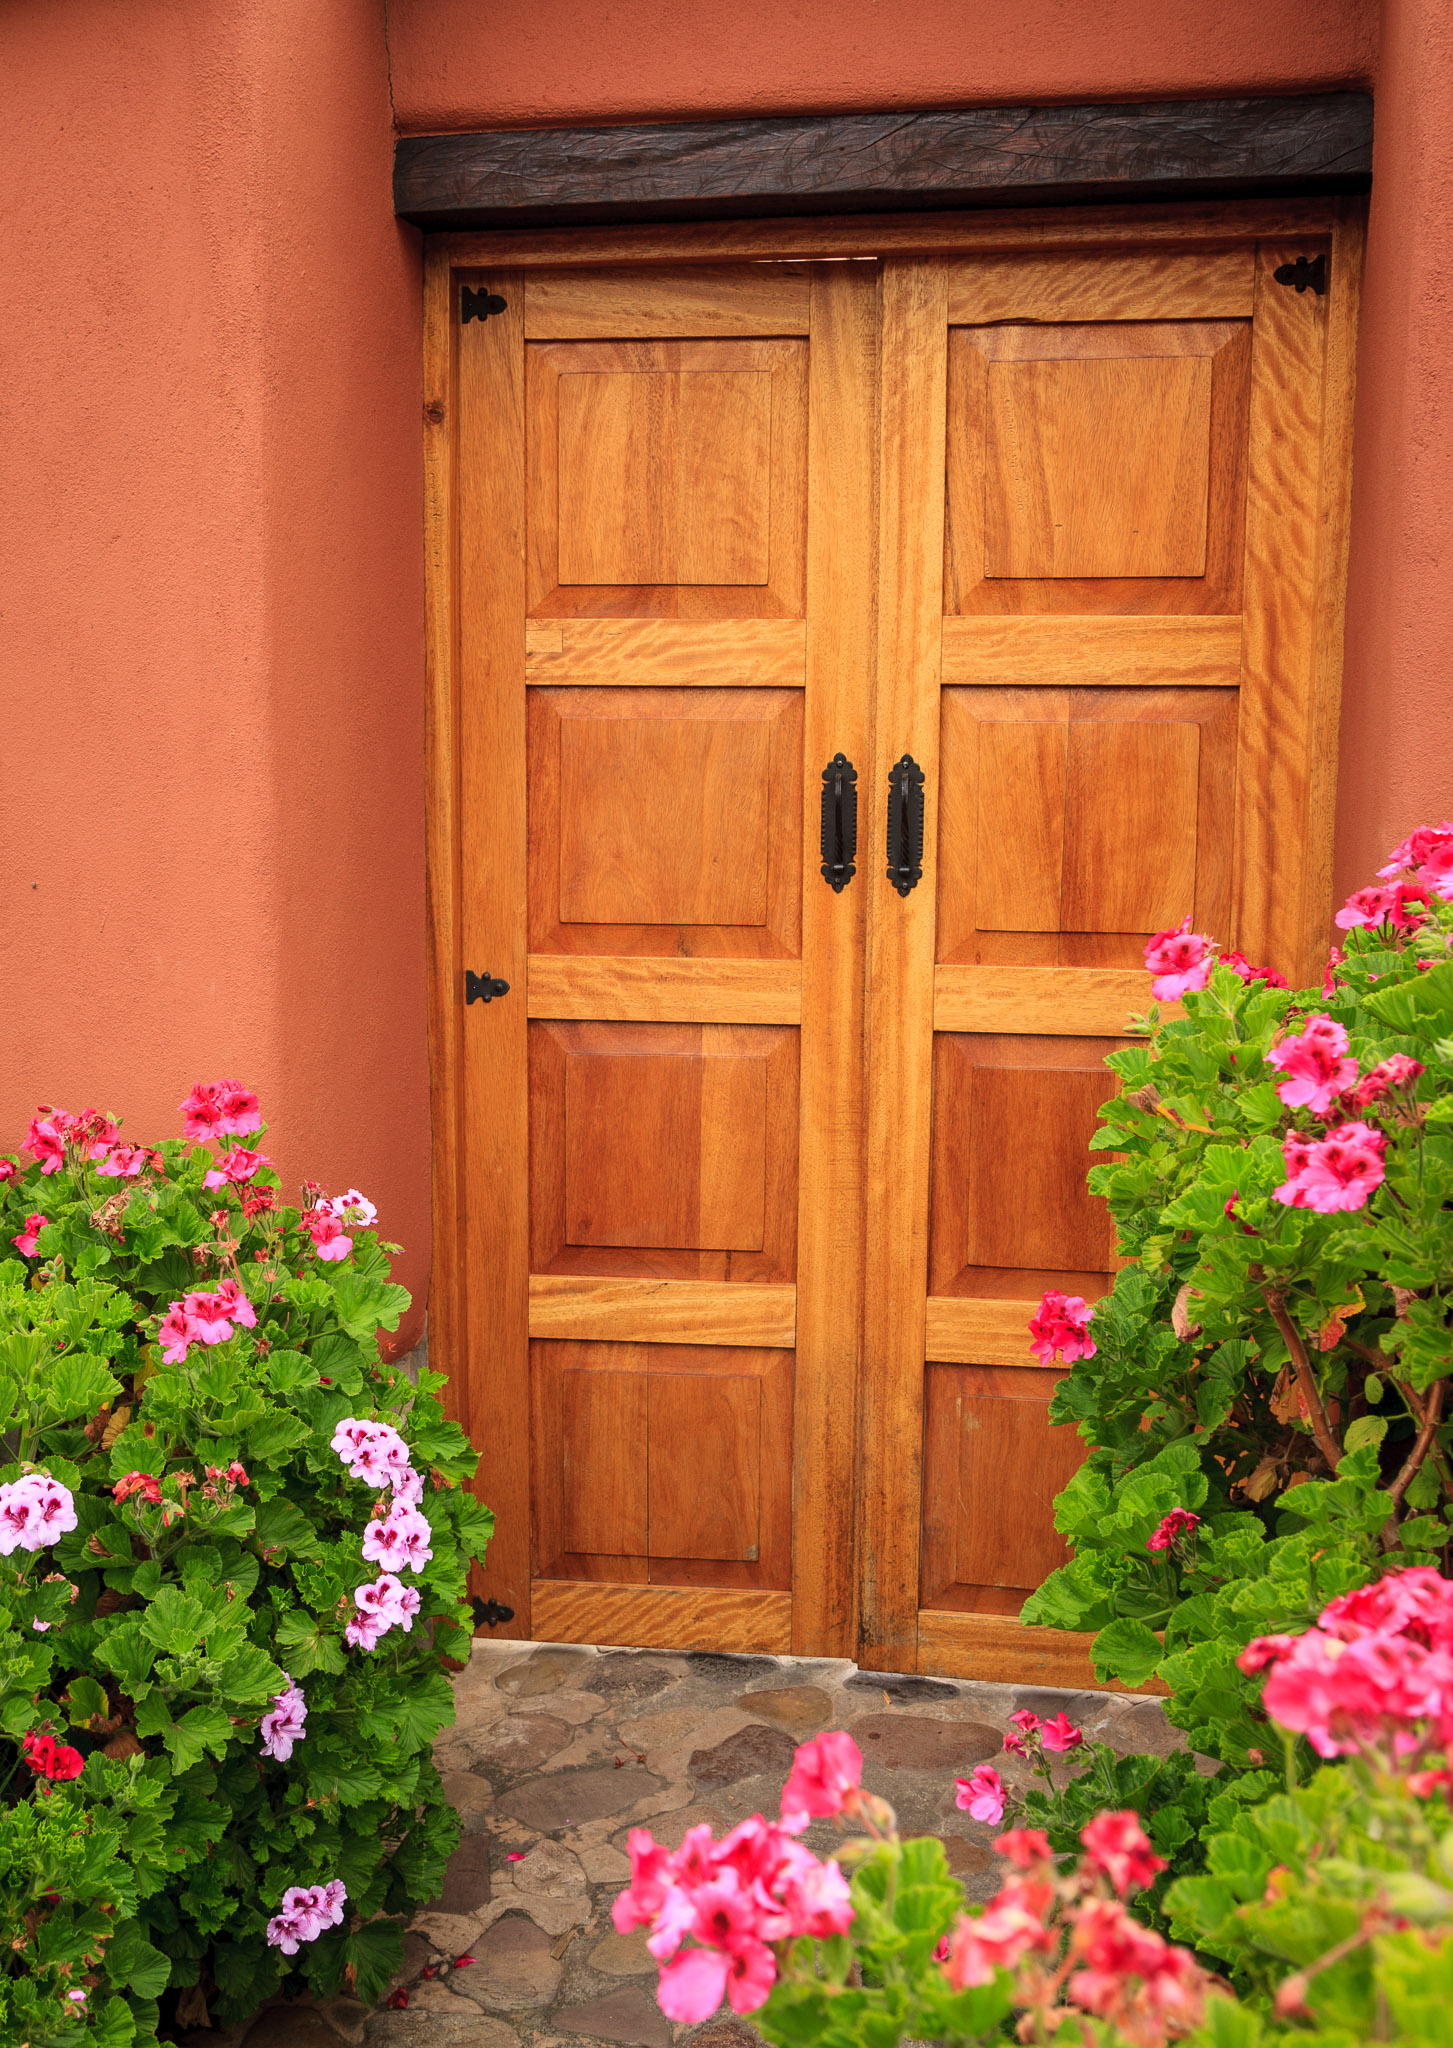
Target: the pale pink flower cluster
(221, 1109)
(1377, 1670)
(204, 1319)
(35, 1511)
(399, 1540)
(1061, 1327)
(353, 1209)
(1336, 1172)
(384, 1604)
(306, 1911)
(733, 1899)
(285, 1724)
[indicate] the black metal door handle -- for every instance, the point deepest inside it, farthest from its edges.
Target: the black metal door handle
(905, 824)
(839, 822)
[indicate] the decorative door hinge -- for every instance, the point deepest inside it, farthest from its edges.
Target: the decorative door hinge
(905, 824)
(1307, 271)
(839, 822)
(478, 305)
(482, 988)
(489, 1613)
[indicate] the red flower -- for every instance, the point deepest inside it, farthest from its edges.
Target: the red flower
(1179, 1522)
(1061, 1327)
(137, 1482)
(1060, 1734)
(1119, 1846)
(1403, 906)
(51, 1759)
(1396, 1072)
(1026, 1848)
(1239, 964)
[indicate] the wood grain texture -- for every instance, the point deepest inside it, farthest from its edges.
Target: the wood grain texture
(900, 955)
(1095, 1001)
(672, 304)
(983, 1423)
(841, 610)
(1097, 467)
(662, 1311)
(607, 767)
(1096, 652)
(1001, 1650)
(667, 464)
(663, 1151)
(849, 162)
(1215, 286)
(441, 824)
(700, 654)
(491, 609)
(1045, 426)
(1280, 681)
(965, 1331)
(655, 991)
(1001, 230)
(663, 1617)
(603, 1479)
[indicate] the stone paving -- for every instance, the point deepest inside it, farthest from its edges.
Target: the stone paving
(558, 1751)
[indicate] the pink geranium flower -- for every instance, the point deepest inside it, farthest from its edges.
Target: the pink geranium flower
(122, 1162)
(1119, 1846)
(26, 1239)
(45, 1139)
(824, 1780)
(1431, 843)
(1338, 1172)
(1061, 1328)
(1060, 1734)
(1401, 905)
(175, 1334)
(1316, 1066)
(9, 1170)
(400, 1542)
(981, 1795)
(1181, 961)
(237, 1168)
(1026, 1848)
(208, 1317)
(202, 1110)
(1179, 1522)
(329, 1239)
(238, 1111)
(1241, 966)
(235, 1305)
(306, 1912)
(1398, 1071)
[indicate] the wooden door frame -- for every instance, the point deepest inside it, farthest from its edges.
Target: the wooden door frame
(501, 260)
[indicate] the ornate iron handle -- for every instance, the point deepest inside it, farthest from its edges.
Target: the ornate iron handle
(839, 822)
(905, 824)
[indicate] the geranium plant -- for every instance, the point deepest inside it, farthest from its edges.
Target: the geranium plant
(1265, 1389)
(234, 1546)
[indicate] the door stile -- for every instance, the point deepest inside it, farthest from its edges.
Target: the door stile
(491, 498)
(1273, 915)
(912, 411)
(842, 542)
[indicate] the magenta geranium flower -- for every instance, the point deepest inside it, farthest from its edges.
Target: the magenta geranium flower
(1181, 961)
(1315, 1064)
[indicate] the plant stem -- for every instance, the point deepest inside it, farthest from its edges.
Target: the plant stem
(1327, 1444)
(1431, 1415)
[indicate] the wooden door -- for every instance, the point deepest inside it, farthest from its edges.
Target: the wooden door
(665, 490)
(1113, 488)
(747, 1189)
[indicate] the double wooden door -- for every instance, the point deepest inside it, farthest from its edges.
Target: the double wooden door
(1016, 551)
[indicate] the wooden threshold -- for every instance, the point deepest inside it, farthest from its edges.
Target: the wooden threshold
(661, 1617)
(996, 1648)
(590, 1311)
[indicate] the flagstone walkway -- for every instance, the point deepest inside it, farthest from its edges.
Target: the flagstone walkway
(557, 1752)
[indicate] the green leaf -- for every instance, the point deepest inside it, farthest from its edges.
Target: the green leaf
(1127, 1650)
(174, 1622)
(1365, 1429)
(281, 1526)
(134, 1965)
(85, 1701)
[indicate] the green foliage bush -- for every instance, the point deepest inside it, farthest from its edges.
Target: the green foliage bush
(1278, 1370)
(215, 1553)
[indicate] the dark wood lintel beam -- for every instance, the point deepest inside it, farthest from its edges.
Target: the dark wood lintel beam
(859, 163)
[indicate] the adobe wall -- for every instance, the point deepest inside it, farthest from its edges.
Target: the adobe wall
(211, 583)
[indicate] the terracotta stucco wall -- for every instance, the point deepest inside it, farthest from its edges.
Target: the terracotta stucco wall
(505, 63)
(210, 582)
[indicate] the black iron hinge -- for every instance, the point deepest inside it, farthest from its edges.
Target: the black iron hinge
(483, 988)
(478, 305)
(1307, 273)
(490, 1613)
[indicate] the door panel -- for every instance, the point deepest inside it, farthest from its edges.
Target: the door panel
(684, 640)
(748, 1187)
